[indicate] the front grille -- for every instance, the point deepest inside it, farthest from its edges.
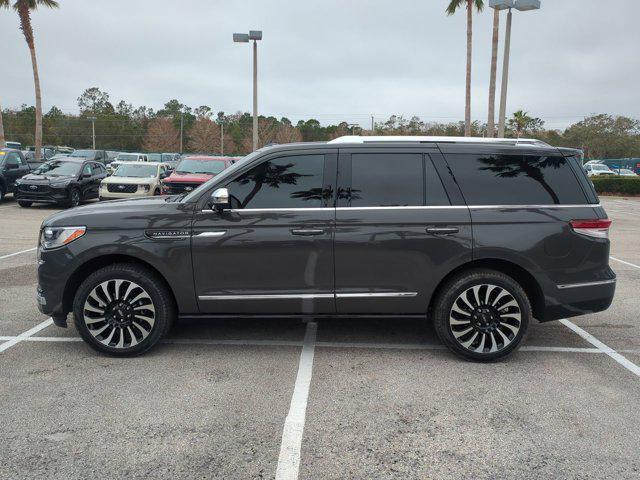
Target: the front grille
(121, 188)
(34, 188)
(174, 188)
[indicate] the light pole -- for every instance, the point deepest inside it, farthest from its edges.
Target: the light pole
(254, 35)
(521, 5)
(93, 130)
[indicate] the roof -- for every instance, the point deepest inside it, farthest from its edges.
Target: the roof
(206, 157)
(527, 142)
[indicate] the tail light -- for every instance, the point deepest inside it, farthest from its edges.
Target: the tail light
(598, 228)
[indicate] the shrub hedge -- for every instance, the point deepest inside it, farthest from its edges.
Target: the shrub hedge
(617, 185)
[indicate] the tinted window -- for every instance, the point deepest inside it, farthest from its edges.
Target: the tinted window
(436, 194)
(13, 159)
(386, 179)
(286, 182)
(97, 169)
(515, 179)
(86, 170)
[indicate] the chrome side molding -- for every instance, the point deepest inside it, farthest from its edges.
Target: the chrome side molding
(302, 296)
(586, 284)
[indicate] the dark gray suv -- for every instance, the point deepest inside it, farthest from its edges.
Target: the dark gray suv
(478, 236)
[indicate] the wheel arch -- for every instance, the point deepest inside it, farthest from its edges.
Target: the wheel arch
(96, 263)
(526, 280)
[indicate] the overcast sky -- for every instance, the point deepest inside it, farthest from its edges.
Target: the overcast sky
(331, 59)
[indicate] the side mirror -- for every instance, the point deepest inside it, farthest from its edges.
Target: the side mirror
(220, 199)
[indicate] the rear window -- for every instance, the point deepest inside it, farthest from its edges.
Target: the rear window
(516, 179)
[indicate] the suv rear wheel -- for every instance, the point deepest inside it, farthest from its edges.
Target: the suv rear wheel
(482, 315)
(123, 309)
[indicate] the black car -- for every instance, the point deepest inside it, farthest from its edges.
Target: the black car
(477, 236)
(67, 181)
(13, 165)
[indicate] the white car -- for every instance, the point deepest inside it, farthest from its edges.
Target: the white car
(134, 179)
(625, 172)
(126, 157)
(597, 169)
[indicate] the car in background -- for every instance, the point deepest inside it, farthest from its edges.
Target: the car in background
(68, 181)
(111, 156)
(134, 179)
(13, 145)
(126, 157)
(193, 171)
(154, 157)
(93, 155)
(625, 172)
(13, 165)
(597, 169)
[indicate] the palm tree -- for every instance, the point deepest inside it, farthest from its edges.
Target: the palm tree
(451, 9)
(24, 8)
(1, 129)
(491, 125)
(520, 122)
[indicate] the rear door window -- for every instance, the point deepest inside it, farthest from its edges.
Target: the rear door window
(516, 179)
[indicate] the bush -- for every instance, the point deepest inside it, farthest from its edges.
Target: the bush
(617, 185)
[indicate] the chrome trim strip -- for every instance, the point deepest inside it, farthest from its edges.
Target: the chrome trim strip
(266, 296)
(253, 210)
(586, 284)
(594, 205)
(376, 295)
(412, 207)
(211, 234)
(287, 296)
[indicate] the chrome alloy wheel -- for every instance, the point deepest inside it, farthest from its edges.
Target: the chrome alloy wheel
(119, 313)
(485, 318)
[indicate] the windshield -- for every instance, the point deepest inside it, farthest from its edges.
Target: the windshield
(138, 171)
(154, 157)
(58, 169)
(227, 173)
(189, 165)
(127, 157)
(168, 157)
(600, 167)
(82, 153)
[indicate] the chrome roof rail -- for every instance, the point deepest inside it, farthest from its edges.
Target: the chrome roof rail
(526, 142)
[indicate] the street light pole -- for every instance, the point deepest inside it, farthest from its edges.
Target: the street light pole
(505, 77)
(181, 129)
(254, 35)
(93, 130)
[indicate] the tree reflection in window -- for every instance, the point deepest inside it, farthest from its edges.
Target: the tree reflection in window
(512, 166)
(286, 182)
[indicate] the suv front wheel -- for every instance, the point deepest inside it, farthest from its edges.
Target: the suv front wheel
(123, 309)
(482, 315)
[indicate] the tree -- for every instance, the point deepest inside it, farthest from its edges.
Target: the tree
(605, 136)
(522, 123)
(204, 136)
(94, 101)
(451, 9)
(287, 133)
(491, 125)
(24, 8)
(161, 136)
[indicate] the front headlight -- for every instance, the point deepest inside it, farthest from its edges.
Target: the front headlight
(54, 237)
(145, 187)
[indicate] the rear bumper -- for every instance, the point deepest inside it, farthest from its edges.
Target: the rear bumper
(570, 300)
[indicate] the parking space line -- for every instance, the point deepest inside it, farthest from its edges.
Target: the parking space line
(17, 253)
(629, 365)
(624, 262)
(289, 459)
(25, 335)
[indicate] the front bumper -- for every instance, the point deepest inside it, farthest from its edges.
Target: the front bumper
(140, 192)
(53, 195)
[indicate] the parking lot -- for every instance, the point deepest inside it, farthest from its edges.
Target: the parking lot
(315, 400)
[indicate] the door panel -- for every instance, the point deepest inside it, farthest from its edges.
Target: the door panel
(270, 253)
(392, 250)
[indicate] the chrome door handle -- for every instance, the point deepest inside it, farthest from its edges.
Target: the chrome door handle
(307, 232)
(442, 230)
(211, 234)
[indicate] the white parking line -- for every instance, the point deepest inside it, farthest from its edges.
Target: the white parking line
(289, 459)
(629, 365)
(17, 253)
(626, 263)
(25, 335)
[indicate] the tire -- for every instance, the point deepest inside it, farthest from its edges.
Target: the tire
(156, 192)
(135, 321)
(482, 315)
(75, 198)
(2, 193)
(24, 203)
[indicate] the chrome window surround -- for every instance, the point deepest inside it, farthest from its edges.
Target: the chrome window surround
(416, 207)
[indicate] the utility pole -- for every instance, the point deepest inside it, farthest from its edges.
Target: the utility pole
(181, 129)
(222, 139)
(372, 125)
(93, 130)
(505, 77)
(254, 35)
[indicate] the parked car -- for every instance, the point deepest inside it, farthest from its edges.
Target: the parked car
(625, 172)
(596, 169)
(68, 181)
(154, 157)
(134, 179)
(126, 157)
(93, 155)
(193, 171)
(479, 236)
(13, 145)
(13, 165)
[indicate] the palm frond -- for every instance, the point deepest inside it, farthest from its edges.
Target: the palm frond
(454, 5)
(33, 4)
